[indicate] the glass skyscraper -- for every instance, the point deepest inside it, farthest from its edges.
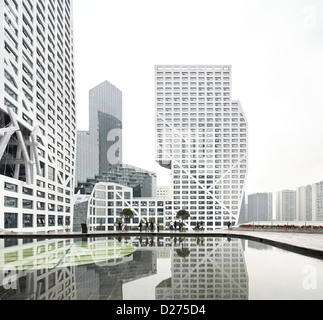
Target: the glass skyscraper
(101, 146)
(202, 137)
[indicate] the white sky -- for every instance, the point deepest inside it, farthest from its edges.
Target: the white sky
(275, 48)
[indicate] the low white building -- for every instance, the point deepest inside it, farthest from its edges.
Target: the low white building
(107, 201)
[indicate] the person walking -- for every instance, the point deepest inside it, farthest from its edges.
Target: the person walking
(157, 226)
(140, 226)
(175, 225)
(119, 226)
(147, 225)
(152, 225)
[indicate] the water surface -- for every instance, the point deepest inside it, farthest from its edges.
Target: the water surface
(155, 268)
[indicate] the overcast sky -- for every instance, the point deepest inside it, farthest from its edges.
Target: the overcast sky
(275, 48)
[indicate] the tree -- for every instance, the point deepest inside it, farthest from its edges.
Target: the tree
(183, 214)
(127, 213)
(183, 253)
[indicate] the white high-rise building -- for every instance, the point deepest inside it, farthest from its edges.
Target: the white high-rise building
(37, 115)
(260, 207)
(304, 203)
(317, 201)
(286, 205)
(202, 137)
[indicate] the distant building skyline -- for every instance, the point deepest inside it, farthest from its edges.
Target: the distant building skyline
(260, 207)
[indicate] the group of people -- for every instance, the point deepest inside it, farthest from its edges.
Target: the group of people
(148, 225)
(175, 224)
(200, 225)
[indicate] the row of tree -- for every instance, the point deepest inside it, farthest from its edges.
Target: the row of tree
(181, 214)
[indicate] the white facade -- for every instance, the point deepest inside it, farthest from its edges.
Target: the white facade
(108, 199)
(163, 192)
(37, 116)
(317, 201)
(202, 137)
(214, 270)
(260, 207)
(286, 205)
(304, 203)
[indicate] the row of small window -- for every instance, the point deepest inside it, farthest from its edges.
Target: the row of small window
(206, 156)
(185, 82)
(194, 119)
(111, 212)
(201, 125)
(191, 149)
(103, 221)
(192, 94)
(192, 143)
(191, 106)
(193, 77)
(193, 89)
(135, 204)
(224, 72)
(208, 132)
(11, 220)
(203, 177)
(28, 191)
(227, 186)
(192, 136)
(112, 195)
(11, 202)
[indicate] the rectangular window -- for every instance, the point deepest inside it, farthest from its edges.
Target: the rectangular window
(10, 220)
(40, 206)
(51, 173)
(51, 221)
(40, 220)
(10, 202)
(10, 187)
(27, 191)
(27, 204)
(60, 220)
(27, 220)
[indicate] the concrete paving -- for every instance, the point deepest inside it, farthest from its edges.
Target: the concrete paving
(310, 244)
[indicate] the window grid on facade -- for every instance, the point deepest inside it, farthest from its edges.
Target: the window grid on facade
(39, 106)
(201, 135)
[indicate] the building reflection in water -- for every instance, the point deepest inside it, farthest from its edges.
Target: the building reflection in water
(213, 269)
(24, 275)
(98, 268)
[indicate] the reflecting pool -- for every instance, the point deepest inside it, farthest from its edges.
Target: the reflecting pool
(155, 268)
